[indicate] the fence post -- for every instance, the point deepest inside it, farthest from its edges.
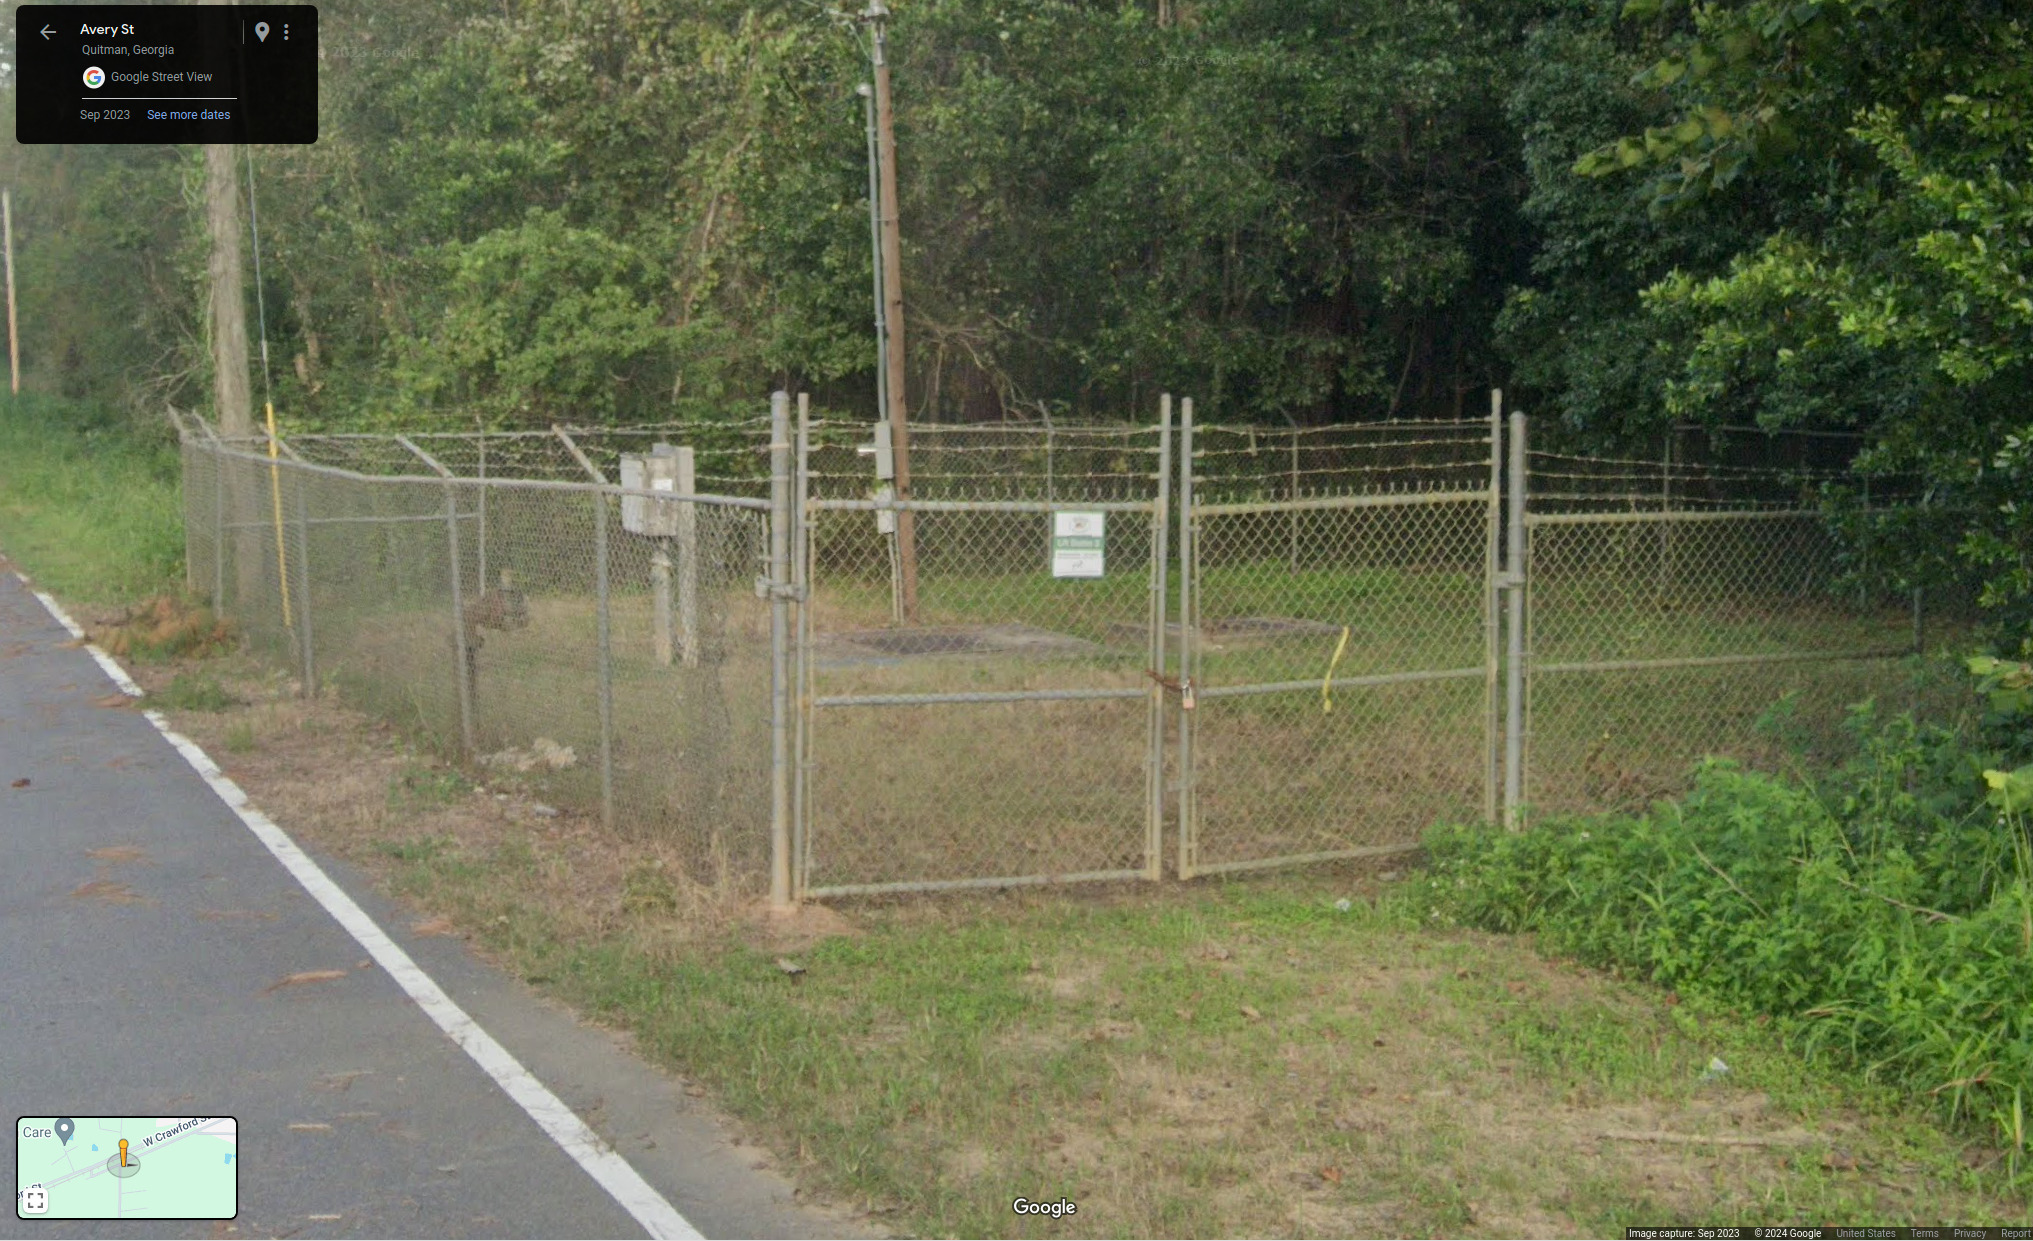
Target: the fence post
(218, 522)
(1188, 619)
(1491, 607)
(483, 503)
(778, 586)
(1666, 549)
(1051, 492)
(303, 555)
(463, 657)
(688, 557)
(801, 672)
(601, 509)
(1514, 684)
(1154, 759)
(1292, 519)
(303, 549)
(605, 674)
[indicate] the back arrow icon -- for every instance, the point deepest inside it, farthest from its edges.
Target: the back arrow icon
(45, 32)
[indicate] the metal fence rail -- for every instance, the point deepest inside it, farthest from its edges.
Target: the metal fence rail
(1073, 652)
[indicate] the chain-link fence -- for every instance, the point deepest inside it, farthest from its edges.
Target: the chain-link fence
(1288, 644)
(976, 661)
(1338, 640)
(1679, 609)
(506, 619)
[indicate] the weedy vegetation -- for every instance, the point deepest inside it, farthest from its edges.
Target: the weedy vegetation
(89, 500)
(1880, 917)
(191, 691)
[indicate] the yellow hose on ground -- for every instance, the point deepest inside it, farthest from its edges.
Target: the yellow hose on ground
(1327, 682)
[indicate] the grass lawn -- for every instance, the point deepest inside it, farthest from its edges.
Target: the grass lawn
(1226, 1058)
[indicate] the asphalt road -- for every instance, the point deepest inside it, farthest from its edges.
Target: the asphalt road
(143, 982)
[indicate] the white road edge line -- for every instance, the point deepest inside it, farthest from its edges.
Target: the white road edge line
(106, 662)
(601, 1162)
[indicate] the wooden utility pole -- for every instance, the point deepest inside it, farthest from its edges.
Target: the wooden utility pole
(231, 395)
(893, 310)
(13, 340)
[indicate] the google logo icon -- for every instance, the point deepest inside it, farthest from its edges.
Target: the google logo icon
(95, 77)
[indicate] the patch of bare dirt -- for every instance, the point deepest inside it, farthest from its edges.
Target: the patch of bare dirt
(794, 929)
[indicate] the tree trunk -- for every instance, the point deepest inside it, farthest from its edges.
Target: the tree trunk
(232, 398)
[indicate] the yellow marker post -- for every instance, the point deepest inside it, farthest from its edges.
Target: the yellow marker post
(1327, 682)
(123, 1152)
(275, 491)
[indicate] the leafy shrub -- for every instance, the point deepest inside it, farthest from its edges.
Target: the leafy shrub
(1884, 915)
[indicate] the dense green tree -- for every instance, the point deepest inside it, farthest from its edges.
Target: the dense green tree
(1807, 214)
(1889, 289)
(640, 208)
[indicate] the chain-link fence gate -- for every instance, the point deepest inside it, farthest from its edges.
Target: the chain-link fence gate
(1008, 730)
(742, 641)
(1338, 639)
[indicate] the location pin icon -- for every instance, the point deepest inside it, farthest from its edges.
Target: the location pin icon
(65, 1127)
(261, 31)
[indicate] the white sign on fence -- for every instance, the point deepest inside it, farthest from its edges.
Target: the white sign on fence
(1077, 541)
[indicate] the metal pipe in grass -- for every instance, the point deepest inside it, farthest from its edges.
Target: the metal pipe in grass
(779, 589)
